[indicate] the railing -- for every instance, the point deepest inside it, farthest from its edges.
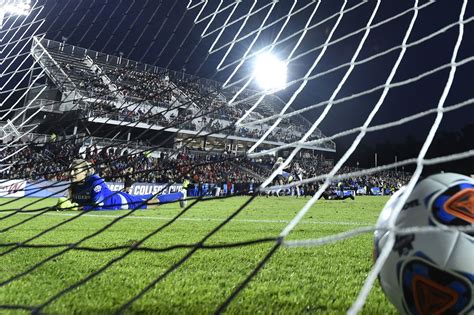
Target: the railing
(112, 87)
(40, 54)
(37, 138)
(48, 105)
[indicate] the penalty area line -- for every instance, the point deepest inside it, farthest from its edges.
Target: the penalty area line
(69, 214)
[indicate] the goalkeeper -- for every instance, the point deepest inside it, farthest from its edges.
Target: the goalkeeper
(88, 191)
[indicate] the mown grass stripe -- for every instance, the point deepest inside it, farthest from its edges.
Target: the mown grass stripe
(205, 219)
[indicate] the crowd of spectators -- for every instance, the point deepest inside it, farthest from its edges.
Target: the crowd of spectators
(317, 165)
(191, 95)
(51, 161)
(149, 86)
(86, 79)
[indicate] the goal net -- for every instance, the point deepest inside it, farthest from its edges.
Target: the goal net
(163, 94)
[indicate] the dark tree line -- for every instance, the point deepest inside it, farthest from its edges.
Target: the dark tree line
(445, 143)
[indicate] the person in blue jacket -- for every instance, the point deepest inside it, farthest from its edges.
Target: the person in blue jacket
(88, 191)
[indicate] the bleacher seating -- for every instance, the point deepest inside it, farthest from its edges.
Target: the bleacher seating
(113, 87)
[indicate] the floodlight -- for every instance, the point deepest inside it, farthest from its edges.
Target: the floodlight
(15, 7)
(270, 72)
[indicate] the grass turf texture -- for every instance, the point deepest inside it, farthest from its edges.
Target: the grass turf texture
(322, 279)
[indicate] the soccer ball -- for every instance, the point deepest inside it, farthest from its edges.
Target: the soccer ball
(431, 272)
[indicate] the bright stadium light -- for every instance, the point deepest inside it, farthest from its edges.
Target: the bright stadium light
(270, 72)
(14, 7)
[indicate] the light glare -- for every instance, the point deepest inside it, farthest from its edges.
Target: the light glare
(270, 72)
(15, 7)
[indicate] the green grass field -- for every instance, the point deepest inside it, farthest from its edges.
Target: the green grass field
(317, 280)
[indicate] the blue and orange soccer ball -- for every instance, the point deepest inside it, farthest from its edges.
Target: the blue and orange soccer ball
(431, 272)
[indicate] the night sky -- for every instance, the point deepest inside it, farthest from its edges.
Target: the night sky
(163, 33)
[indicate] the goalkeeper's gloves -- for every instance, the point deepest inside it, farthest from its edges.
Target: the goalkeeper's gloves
(66, 204)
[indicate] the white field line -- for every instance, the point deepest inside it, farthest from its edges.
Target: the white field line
(70, 214)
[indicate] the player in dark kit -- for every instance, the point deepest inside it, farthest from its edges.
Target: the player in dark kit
(90, 192)
(128, 182)
(281, 176)
(331, 194)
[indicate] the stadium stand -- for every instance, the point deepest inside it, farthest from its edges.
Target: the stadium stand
(111, 90)
(99, 90)
(51, 160)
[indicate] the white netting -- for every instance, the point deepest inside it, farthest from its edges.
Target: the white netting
(409, 41)
(184, 71)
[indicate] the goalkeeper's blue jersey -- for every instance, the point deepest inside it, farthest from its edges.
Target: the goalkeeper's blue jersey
(94, 194)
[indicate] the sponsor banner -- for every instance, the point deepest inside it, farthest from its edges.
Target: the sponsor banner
(116, 186)
(362, 191)
(349, 192)
(157, 188)
(376, 191)
(42, 188)
(206, 190)
(46, 188)
(345, 193)
(12, 188)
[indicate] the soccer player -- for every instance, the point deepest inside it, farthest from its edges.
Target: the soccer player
(332, 194)
(338, 194)
(128, 182)
(279, 178)
(91, 192)
(299, 174)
